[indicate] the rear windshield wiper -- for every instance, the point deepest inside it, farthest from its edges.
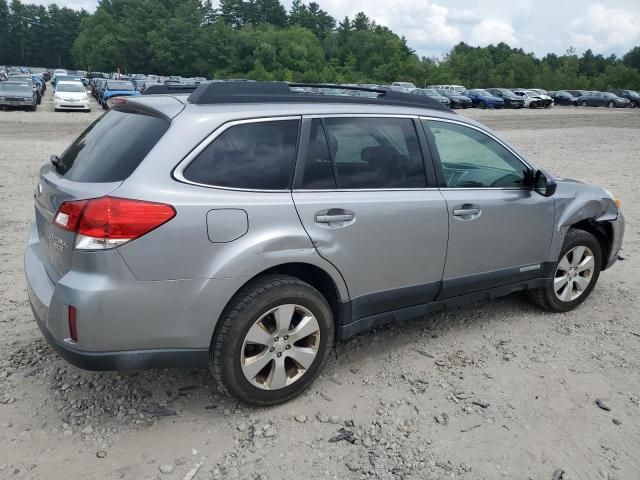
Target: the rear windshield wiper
(60, 167)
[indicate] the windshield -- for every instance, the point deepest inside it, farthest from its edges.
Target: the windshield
(532, 93)
(479, 91)
(7, 88)
(70, 87)
(430, 92)
(120, 86)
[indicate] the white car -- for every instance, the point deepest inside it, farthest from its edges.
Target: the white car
(71, 96)
(531, 99)
(547, 100)
(403, 86)
(60, 71)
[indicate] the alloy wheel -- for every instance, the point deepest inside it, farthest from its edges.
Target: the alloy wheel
(574, 273)
(280, 347)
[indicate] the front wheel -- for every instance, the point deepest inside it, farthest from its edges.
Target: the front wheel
(272, 340)
(633, 104)
(611, 104)
(585, 103)
(576, 273)
(481, 104)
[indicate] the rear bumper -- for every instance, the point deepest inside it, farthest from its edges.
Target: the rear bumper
(123, 323)
(71, 105)
(127, 360)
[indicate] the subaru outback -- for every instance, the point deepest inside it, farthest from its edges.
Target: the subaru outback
(248, 226)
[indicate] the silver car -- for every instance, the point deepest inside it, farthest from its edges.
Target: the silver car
(249, 226)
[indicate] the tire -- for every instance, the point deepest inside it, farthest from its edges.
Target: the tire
(246, 312)
(481, 104)
(547, 298)
(533, 105)
(633, 104)
(585, 103)
(611, 104)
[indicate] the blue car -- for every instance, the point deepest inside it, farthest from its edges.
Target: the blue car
(116, 88)
(482, 99)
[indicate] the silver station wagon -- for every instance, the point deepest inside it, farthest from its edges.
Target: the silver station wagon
(250, 225)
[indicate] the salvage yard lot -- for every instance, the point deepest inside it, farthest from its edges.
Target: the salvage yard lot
(495, 390)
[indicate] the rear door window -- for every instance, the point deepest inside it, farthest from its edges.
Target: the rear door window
(367, 152)
(112, 147)
(255, 155)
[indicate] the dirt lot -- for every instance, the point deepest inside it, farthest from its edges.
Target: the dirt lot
(496, 390)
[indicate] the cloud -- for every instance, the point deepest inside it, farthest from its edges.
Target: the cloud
(604, 29)
(426, 26)
(493, 30)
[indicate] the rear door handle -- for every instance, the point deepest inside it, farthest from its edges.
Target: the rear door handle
(462, 212)
(334, 215)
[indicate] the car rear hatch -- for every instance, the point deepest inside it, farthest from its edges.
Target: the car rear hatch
(93, 166)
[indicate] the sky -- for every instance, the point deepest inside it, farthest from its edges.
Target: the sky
(432, 27)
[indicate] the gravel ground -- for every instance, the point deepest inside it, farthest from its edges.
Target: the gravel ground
(495, 390)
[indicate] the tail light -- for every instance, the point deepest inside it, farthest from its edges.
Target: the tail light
(107, 222)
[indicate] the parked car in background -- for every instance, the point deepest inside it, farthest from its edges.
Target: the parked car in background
(67, 78)
(577, 93)
(17, 95)
(602, 99)
(615, 101)
(116, 88)
(60, 71)
(71, 96)
(531, 99)
(561, 97)
(547, 101)
(22, 78)
(631, 95)
(430, 92)
(457, 99)
(480, 98)
(455, 88)
(511, 100)
(95, 86)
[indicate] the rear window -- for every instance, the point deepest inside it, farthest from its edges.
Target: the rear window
(112, 147)
(255, 155)
(120, 86)
(7, 88)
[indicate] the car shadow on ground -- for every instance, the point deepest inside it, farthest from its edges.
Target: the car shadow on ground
(138, 398)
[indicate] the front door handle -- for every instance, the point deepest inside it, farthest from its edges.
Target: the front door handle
(334, 215)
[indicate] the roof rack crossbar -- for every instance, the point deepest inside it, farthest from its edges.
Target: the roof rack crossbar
(281, 92)
(160, 89)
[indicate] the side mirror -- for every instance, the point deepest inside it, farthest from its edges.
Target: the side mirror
(544, 184)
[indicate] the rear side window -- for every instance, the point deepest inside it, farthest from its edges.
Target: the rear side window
(256, 155)
(366, 153)
(112, 147)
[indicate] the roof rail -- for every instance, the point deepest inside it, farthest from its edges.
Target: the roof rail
(159, 89)
(282, 92)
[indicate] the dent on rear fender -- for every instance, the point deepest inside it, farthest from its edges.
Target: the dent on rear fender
(253, 254)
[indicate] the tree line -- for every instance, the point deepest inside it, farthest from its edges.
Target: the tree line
(260, 39)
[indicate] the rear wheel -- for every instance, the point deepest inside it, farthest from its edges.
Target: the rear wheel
(481, 104)
(585, 103)
(576, 274)
(272, 340)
